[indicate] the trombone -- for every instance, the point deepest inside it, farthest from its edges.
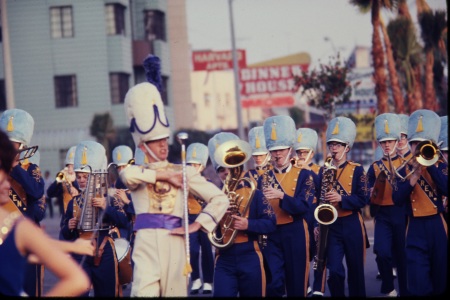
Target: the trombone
(426, 154)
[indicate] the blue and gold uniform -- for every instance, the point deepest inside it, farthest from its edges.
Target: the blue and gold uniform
(102, 268)
(287, 250)
(426, 233)
(27, 186)
(239, 268)
(200, 247)
(347, 235)
(390, 223)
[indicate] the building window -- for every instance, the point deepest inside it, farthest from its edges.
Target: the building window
(119, 84)
(115, 19)
(61, 22)
(164, 95)
(155, 25)
(66, 91)
(2, 95)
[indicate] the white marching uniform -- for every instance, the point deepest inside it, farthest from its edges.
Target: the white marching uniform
(159, 257)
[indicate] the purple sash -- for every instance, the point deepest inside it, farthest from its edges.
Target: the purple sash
(156, 221)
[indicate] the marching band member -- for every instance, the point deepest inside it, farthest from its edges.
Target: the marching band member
(27, 185)
(122, 157)
(403, 148)
(91, 215)
(21, 238)
(290, 191)
(159, 252)
(347, 235)
(65, 188)
(390, 224)
(305, 147)
(239, 269)
(197, 156)
(421, 191)
(260, 154)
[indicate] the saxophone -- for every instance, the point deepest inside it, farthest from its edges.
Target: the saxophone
(325, 214)
(239, 190)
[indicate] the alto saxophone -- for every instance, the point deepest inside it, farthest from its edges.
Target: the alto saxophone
(325, 214)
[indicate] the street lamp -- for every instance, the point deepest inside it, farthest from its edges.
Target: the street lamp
(236, 75)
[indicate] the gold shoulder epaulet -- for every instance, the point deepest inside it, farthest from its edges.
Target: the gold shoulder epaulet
(353, 163)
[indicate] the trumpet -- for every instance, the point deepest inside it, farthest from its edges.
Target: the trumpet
(426, 154)
(28, 152)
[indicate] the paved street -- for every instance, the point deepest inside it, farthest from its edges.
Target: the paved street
(51, 226)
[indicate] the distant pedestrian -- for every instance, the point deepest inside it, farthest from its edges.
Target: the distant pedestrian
(47, 183)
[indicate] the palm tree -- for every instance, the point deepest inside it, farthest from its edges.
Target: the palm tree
(377, 48)
(432, 25)
(399, 101)
(409, 58)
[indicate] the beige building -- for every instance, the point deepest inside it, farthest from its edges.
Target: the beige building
(214, 102)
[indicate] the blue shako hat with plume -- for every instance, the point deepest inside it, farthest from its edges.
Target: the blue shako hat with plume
(387, 127)
(307, 138)
(140, 158)
(144, 108)
(122, 155)
(70, 156)
(90, 156)
(257, 141)
(423, 125)
(342, 130)
(279, 132)
(18, 125)
(197, 153)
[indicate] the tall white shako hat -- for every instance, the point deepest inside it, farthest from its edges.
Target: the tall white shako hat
(257, 141)
(140, 158)
(443, 135)
(424, 125)
(387, 127)
(217, 140)
(90, 156)
(122, 155)
(342, 130)
(18, 125)
(70, 156)
(197, 153)
(144, 108)
(306, 138)
(279, 132)
(404, 119)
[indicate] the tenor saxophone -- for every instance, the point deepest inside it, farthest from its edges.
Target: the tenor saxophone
(325, 214)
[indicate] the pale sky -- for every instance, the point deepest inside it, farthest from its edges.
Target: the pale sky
(269, 29)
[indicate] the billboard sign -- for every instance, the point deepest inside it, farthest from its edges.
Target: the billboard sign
(271, 86)
(217, 60)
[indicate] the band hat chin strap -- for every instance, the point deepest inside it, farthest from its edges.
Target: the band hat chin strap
(151, 152)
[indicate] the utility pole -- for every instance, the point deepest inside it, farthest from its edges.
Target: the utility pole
(9, 86)
(236, 76)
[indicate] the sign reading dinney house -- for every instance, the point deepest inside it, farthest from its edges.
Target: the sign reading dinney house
(270, 86)
(217, 60)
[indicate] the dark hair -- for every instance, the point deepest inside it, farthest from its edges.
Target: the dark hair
(7, 152)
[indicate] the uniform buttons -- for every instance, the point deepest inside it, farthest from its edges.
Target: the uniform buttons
(435, 207)
(351, 176)
(295, 179)
(413, 200)
(293, 189)
(350, 183)
(414, 209)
